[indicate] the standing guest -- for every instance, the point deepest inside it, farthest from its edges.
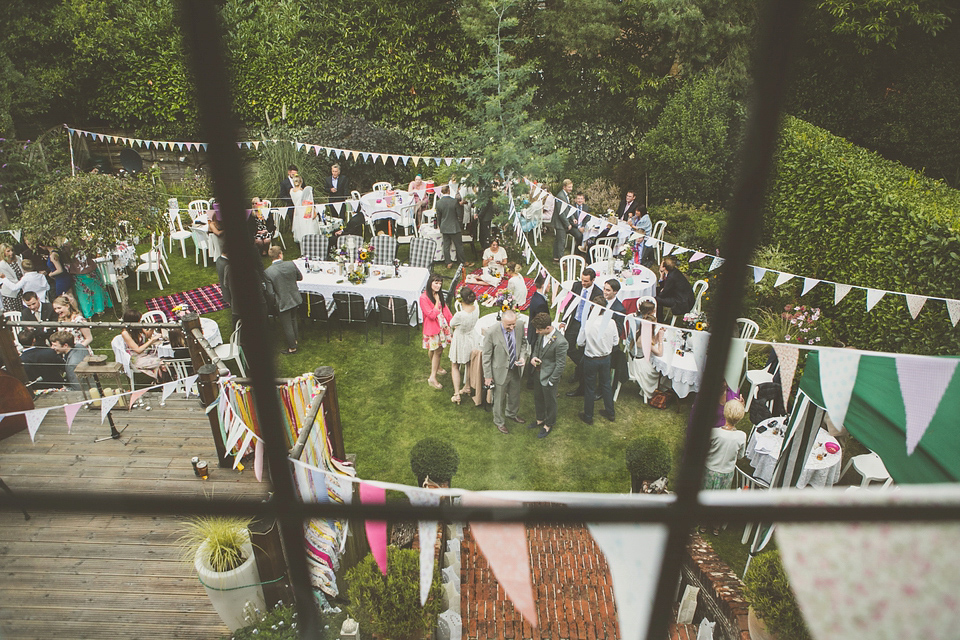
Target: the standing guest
(627, 206)
(63, 343)
(561, 220)
(62, 281)
(516, 285)
(618, 362)
(215, 232)
(673, 290)
(92, 297)
(463, 342)
(436, 326)
(504, 354)
(549, 359)
(727, 445)
(336, 186)
(283, 278)
(421, 199)
(582, 291)
(450, 226)
(35, 311)
(538, 304)
(40, 362)
(226, 284)
(10, 273)
(640, 366)
(141, 344)
(66, 310)
(598, 339)
(581, 210)
(287, 184)
(32, 280)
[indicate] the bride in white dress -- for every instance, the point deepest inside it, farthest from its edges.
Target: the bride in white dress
(304, 214)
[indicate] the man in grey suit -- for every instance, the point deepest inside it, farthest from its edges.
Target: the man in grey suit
(561, 221)
(282, 277)
(549, 358)
(504, 354)
(449, 216)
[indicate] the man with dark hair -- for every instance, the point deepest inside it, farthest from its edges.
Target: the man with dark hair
(598, 339)
(573, 314)
(618, 363)
(627, 206)
(33, 310)
(336, 185)
(549, 359)
(673, 290)
(450, 226)
(62, 342)
(40, 362)
(561, 219)
(287, 184)
(283, 277)
(538, 304)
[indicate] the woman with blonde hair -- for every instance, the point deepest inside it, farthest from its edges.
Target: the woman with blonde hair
(66, 309)
(10, 273)
(516, 286)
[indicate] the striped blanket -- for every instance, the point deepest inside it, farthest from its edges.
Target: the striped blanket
(203, 300)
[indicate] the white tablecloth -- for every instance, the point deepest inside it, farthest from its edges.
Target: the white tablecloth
(408, 286)
(377, 206)
(640, 281)
(594, 225)
(763, 450)
(211, 331)
(685, 369)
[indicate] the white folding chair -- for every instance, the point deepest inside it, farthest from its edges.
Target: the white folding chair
(601, 253)
(275, 214)
(748, 328)
(198, 208)
(201, 245)
(151, 266)
(870, 467)
(154, 316)
(232, 351)
(570, 269)
(14, 316)
(699, 288)
(108, 273)
(382, 186)
(120, 355)
(610, 241)
(156, 247)
(657, 235)
(177, 232)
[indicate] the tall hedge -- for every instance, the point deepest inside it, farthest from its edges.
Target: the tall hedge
(853, 217)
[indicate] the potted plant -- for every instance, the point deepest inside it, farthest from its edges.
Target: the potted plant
(774, 612)
(222, 554)
(436, 459)
(648, 461)
(389, 605)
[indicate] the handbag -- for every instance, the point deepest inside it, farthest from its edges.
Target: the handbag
(660, 400)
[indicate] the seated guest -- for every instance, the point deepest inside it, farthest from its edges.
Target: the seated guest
(421, 199)
(494, 259)
(516, 285)
(141, 344)
(354, 226)
(35, 311)
(40, 362)
(62, 342)
(261, 225)
(32, 280)
(606, 232)
(674, 290)
(641, 220)
(66, 309)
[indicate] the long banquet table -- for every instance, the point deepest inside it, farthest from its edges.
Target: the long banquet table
(327, 281)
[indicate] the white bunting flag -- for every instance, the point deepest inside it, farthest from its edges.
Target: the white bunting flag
(634, 555)
(680, 250)
(734, 369)
(405, 160)
(533, 264)
(415, 159)
(808, 284)
(243, 448)
(427, 530)
(788, 355)
(667, 248)
(923, 382)
(258, 460)
(873, 297)
(838, 375)
(71, 411)
(840, 292)
(189, 384)
(953, 308)
(717, 261)
(758, 273)
(34, 418)
(107, 403)
(914, 304)
(782, 278)
(168, 389)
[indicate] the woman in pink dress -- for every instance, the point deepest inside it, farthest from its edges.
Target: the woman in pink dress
(436, 326)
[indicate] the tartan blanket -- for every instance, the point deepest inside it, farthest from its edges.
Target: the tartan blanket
(481, 289)
(203, 300)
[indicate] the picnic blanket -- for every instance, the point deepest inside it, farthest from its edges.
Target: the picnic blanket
(203, 300)
(483, 288)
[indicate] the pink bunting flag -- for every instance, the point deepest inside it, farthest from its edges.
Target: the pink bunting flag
(71, 411)
(697, 255)
(376, 529)
(788, 354)
(923, 381)
(258, 460)
(136, 395)
(504, 544)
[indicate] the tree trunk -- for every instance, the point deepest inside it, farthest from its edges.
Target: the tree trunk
(122, 290)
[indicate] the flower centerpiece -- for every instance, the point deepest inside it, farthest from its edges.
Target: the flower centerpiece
(357, 276)
(365, 256)
(696, 320)
(626, 254)
(180, 310)
(342, 257)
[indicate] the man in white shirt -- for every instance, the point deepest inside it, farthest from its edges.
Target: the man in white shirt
(598, 339)
(31, 281)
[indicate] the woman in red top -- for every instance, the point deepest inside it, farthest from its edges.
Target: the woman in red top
(436, 326)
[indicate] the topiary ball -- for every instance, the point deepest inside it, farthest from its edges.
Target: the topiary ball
(648, 458)
(435, 458)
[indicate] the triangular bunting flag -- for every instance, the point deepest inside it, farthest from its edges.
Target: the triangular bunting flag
(838, 375)
(354, 155)
(697, 255)
(953, 309)
(808, 284)
(235, 431)
(667, 248)
(634, 555)
(914, 304)
(256, 145)
(168, 389)
(788, 354)
(758, 273)
(717, 261)
(376, 529)
(107, 403)
(840, 292)
(428, 539)
(923, 382)
(680, 251)
(247, 438)
(136, 395)
(405, 160)
(300, 146)
(873, 297)
(338, 207)
(504, 544)
(34, 418)
(188, 383)
(449, 161)
(258, 460)
(734, 369)
(71, 411)
(782, 278)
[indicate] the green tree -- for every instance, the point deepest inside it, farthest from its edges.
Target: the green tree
(91, 213)
(880, 22)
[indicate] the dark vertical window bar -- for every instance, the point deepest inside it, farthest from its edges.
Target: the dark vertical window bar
(202, 34)
(771, 57)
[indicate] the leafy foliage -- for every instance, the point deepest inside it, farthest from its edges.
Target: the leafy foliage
(648, 458)
(768, 589)
(279, 624)
(27, 166)
(694, 227)
(868, 222)
(879, 22)
(435, 458)
(390, 605)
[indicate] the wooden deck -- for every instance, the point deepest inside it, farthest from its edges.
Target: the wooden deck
(109, 576)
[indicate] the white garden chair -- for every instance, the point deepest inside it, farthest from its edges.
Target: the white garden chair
(602, 254)
(201, 245)
(177, 232)
(699, 288)
(570, 269)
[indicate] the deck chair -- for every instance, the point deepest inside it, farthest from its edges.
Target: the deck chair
(232, 350)
(385, 248)
(393, 311)
(422, 252)
(315, 309)
(314, 247)
(382, 186)
(351, 308)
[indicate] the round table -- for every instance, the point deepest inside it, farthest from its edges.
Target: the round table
(211, 332)
(685, 368)
(820, 470)
(638, 282)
